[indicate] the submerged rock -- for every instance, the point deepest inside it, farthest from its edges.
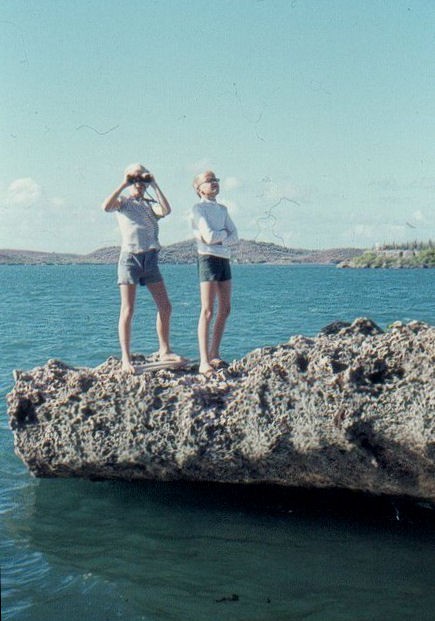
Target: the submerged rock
(351, 408)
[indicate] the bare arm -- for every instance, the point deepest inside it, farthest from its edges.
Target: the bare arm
(112, 202)
(162, 208)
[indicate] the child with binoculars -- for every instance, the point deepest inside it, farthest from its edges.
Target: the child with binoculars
(138, 217)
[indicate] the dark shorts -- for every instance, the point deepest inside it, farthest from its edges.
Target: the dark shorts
(138, 268)
(213, 268)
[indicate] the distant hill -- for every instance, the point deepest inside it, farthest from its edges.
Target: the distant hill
(263, 252)
(33, 257)
(185, 252)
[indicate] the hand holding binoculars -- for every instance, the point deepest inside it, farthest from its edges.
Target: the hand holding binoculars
(145, 177)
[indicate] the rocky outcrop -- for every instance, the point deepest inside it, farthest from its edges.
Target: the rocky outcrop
(351, 408)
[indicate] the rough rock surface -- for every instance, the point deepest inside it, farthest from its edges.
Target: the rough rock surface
(351, 408)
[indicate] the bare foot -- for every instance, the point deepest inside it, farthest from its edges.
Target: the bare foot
(206, 370)
(127, 367)
(169, 356)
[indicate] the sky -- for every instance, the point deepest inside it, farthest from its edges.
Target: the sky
(317, 115)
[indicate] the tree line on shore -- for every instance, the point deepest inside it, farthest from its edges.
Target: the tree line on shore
(409, 245)
(395, 255)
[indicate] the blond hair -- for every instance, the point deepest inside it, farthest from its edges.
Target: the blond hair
(199, 179)
(134, 169)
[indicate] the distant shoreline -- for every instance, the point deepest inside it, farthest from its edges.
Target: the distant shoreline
(248, 252)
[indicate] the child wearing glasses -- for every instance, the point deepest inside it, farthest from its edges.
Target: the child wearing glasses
(214, 232)
(138, 218)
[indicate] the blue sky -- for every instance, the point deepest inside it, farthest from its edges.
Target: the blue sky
(317, 115)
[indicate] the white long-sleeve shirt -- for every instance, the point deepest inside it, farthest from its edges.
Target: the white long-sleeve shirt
(213, 229)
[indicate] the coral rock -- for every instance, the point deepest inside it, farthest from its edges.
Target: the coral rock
(351, 408)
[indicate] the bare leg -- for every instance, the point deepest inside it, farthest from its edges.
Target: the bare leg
(224, 309)
(164, 308)
(208, 292)
(128, 296)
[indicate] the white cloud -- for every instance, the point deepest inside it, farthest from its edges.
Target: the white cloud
(57, 202)
(186, 215)
(230, 183)
(419, 216)
(34, 220)
(233, 207)
(23, 192)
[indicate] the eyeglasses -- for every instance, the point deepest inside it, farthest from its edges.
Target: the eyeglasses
(214, 180)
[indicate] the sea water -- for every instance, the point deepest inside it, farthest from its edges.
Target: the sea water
(74, 549)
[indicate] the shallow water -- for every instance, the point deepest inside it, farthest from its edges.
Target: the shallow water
(74, 549)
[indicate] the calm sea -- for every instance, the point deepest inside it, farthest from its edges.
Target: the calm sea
(75, 550)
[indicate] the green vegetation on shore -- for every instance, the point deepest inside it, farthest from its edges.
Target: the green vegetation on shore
(396, 256)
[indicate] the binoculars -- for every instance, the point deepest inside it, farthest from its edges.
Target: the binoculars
(144, 178)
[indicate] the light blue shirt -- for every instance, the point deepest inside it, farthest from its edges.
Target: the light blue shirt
(138, 225)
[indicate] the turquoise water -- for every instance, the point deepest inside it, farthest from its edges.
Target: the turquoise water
(113, 550)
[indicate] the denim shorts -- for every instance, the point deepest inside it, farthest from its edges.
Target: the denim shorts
(138, 268)
(213, 268)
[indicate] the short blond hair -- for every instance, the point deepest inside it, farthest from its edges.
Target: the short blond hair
(134, 169)
(199, 179)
